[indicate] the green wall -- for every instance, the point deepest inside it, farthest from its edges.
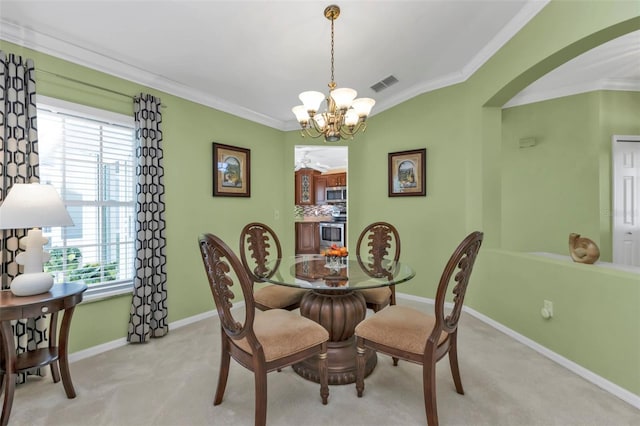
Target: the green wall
(461, 127)
(562, 184)
(596, 315)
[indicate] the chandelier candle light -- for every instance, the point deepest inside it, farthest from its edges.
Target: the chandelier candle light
(32, 206)
(345, 116)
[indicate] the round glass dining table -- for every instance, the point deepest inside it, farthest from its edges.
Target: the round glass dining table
(335, 301)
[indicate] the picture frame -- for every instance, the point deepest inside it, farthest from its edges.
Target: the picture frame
(231, 171)
(408, 173)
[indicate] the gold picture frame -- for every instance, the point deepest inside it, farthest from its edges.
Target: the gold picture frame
(231, 171)
(408, 173)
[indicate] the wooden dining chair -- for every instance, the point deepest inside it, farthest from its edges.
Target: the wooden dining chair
(260, 245)
(377, 244)
(409, 334)
(261, 341)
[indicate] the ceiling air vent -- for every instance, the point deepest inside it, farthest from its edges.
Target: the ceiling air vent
(383, 84)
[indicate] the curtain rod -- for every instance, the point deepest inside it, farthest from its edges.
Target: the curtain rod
(64, 77)
(95, 86)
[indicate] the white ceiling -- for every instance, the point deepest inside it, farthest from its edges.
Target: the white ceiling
(326, 159)
(253, 58)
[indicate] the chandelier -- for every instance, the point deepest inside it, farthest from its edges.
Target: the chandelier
(344, 117)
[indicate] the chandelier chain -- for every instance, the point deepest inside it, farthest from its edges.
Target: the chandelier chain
(332, 77)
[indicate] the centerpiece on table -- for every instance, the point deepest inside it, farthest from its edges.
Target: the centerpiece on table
(336, 257)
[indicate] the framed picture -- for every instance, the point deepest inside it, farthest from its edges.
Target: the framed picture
(408, 173)
(231, 171)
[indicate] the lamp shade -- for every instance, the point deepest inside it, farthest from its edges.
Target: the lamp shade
(311, 101)
(301, 113)
(343, 97)
(33, 205)
(350, 117)
(362, 106)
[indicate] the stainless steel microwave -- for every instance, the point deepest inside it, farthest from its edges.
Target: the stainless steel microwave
(336, 194)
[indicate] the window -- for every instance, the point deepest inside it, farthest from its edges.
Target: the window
(88, 155)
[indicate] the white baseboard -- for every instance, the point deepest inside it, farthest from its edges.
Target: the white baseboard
(95, 350)
(588, 375)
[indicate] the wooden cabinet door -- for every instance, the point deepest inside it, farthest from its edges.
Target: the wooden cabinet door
(320, 185)
(307, 238)
(336, 179)
(342, 179)
(305, 193)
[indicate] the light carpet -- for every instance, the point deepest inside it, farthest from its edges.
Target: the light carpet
(172, 381)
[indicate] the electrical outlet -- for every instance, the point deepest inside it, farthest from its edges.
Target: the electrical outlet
(547, 309)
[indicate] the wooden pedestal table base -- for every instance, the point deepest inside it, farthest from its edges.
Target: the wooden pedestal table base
(60, 297)
(338, 312)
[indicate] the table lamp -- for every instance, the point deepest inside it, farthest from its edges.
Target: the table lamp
(33, 205)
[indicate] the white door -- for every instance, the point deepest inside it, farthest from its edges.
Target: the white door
(626, 200)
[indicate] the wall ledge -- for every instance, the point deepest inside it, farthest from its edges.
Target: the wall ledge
(599, 264)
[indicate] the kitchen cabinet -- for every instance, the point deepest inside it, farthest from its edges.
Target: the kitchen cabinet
(320, 185)
(307, 238)
(336, 179)
(305, 193)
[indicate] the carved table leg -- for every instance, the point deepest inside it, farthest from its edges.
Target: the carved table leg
(339, 312)
(53, 341)
(63, 353)
(10, 373)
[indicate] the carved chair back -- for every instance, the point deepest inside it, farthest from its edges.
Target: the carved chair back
(219, 260)
(377, 243)
(259, 245)
(461, 264)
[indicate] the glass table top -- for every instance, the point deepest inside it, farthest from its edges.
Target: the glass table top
(342, 273)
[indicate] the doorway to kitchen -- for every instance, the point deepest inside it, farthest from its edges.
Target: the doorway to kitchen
(321, 191)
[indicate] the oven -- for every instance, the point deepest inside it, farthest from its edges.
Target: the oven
(332, 233)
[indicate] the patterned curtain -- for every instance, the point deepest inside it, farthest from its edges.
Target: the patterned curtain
(148, 316)
(19, 164)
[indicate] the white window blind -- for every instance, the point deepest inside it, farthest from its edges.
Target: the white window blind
(88, 155)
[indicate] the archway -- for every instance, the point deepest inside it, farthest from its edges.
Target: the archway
(492, 124)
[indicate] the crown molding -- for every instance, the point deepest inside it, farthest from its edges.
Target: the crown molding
(527, 13)
(40, 42)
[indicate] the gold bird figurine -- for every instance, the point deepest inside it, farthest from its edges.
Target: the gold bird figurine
(583, 250)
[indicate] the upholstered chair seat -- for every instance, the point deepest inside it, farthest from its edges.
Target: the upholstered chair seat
(400, 327)
(377, 297)
(282, 333)
(277, 297)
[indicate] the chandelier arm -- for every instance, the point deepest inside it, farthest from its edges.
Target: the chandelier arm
(317, 128)
(306, 132)
(350, 131)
